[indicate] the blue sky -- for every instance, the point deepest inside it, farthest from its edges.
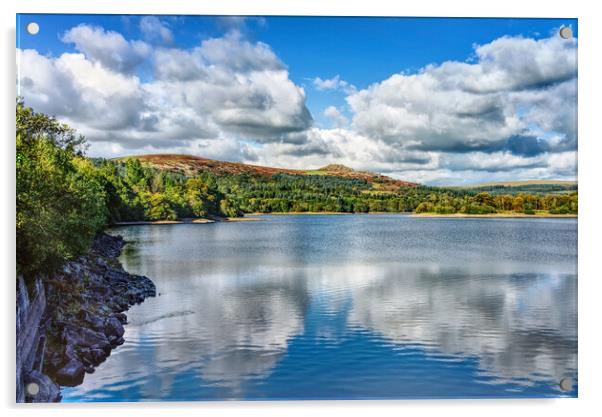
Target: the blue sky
(362, 53)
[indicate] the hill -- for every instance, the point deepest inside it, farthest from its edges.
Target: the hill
(191, 165)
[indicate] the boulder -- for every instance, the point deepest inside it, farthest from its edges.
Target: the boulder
(91, 320)
(71, 374)
(123, 319)
(107, 245)
(98, 356)
(84, 337)
(93, 357)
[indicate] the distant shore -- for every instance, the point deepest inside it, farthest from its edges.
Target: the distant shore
(412, 214)
(257, 217)
(496, 215)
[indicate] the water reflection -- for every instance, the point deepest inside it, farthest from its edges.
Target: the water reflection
(238, 318)
(520, 328)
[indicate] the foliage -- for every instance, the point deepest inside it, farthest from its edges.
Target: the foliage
(318, 193)
(60, 202)
(525, 188)
(136, 192)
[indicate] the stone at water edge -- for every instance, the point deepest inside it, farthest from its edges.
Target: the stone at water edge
(113, 327)
(71, 374)
(93, 357)
(85, 337)
(123, 319)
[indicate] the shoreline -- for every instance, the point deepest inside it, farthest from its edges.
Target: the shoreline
(200, 220)
(413, 214)
(257, 217)
(498, 216)
(85, 304)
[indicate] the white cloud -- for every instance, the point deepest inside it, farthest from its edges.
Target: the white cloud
(155, 31)
(512, 91)
(82, 92)
(237, 54)
(243, 88)
(509, 114)
(332, 113)
(108, 48)
(334, 83)
(226, 88)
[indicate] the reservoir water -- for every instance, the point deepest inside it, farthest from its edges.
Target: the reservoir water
(347, 307)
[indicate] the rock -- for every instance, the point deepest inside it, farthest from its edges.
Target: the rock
(39, 388)
(123, 319)
(52, 361)
(107, 245)
(92, 320)
(104, 290)
(84, 337)
(116, 341)
(70, 353)
(92, 357)
(71, 374)
(98, 356)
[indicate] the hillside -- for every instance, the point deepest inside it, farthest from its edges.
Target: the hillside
(522, 183)
(191, 165)
(528, 186)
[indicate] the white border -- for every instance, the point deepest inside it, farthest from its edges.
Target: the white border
(590, 288)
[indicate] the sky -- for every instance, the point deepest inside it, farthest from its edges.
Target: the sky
(432, 100)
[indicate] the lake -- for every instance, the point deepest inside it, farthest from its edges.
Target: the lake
(347, 307)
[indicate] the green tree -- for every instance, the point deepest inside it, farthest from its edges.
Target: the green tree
(60, 200)
(158, 207)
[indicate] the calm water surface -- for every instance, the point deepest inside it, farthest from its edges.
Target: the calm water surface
(350, 306)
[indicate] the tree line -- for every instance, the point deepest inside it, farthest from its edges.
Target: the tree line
(287, 193)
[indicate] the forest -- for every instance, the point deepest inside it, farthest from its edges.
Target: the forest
(64, 198)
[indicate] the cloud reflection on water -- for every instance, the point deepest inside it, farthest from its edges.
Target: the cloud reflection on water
(222, 327)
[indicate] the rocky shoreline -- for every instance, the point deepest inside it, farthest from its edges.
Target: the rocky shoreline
(84, 317)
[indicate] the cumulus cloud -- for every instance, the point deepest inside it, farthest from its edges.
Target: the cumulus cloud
(224, 89)
(502, 101)
(334, 83)
(508, 113)
(243, 88)
(234, 52)
(108, 48)
(155, 31)
(332, 113)
(80, 90)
